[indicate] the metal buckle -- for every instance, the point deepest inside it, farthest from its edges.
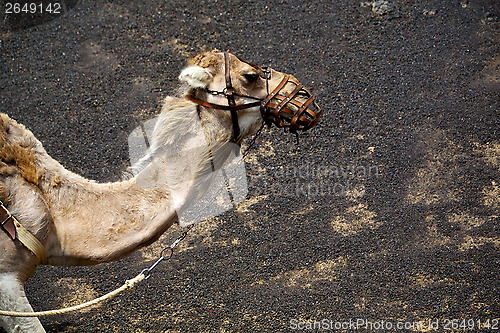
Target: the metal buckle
(266, 71)
(228, 91)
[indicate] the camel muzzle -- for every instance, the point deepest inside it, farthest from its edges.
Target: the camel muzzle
(290, 105)
(296, 110)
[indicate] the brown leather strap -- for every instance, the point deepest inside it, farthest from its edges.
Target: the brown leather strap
(274, 110)
(7, 221)
(222, 107)
(276, 90)
(289, 97)
(17, 231)
(230, 99)
(229, 91)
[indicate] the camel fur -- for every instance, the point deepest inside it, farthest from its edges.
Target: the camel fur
(82, 222)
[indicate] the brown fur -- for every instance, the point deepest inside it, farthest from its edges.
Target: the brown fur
(209, 60)
(4, 193)
(14, 155)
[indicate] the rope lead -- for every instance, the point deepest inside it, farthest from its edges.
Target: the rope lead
(129, 284)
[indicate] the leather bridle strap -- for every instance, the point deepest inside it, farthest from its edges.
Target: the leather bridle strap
(229, 91)
(7, 221)
(222, 107)
(16, 231)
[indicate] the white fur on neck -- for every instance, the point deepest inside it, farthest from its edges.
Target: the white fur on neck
(195, 76)
(250, 120)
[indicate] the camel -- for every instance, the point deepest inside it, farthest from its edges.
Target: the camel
(223, 100)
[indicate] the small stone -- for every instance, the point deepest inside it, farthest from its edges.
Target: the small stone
(382, 7)
(430, 12)
(379, 7)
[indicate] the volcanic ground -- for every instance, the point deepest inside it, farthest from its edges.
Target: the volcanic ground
(386, 212)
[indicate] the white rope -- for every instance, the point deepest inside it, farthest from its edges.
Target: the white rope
(129, 284)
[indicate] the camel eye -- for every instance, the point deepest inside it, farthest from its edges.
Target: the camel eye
(251, 77)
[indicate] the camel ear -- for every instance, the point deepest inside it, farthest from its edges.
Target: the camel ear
(195, 76)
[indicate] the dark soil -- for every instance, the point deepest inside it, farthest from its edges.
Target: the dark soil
(388, 210)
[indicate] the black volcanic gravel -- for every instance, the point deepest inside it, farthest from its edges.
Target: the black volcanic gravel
(388, 210)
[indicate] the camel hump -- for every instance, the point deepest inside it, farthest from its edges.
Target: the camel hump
(17, 150)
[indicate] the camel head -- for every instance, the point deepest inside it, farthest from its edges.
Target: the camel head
(253, 94)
